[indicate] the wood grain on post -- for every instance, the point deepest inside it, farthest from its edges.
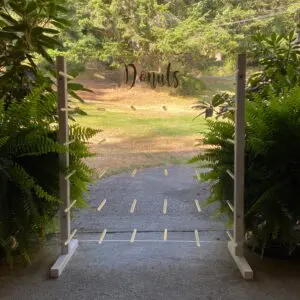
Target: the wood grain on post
(63, 137)
(239, 165)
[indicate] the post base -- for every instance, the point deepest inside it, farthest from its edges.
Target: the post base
(241, 262)
(63, 260)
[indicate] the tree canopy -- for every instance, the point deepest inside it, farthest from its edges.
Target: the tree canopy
(188, 31)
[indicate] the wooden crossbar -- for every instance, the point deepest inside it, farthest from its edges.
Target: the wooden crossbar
(69, 142)
(230, 174)
(69, 208)
(67, 242)
(70, 175)
(230, 205)
(65, 75)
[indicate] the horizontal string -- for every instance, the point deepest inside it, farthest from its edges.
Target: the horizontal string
(150, 241)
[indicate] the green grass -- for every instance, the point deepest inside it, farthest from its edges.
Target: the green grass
(136, 124)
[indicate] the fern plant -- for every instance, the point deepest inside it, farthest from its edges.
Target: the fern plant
(29, 169)
(272, 169)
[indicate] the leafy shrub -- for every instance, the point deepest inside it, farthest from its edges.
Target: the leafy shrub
(272, 157)
(29, 170)
(29, 152)
(190, 86)
(279, 58)
(272, 173)
(28, 30)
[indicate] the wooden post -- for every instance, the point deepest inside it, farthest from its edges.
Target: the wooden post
(236, 243)
(63, 137)
(239, 161)
(67, 244)
(297, 26)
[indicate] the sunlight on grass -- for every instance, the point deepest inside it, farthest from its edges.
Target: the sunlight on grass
(134, 124)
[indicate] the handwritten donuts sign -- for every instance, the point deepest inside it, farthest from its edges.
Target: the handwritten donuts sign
(154, 79)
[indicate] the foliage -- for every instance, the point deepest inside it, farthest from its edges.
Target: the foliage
(280, 60)
(28, 29)
(272, 168)
(273, 174)
(29, 169)
(218, 158)
(190, 86)
(29, 152)
(272, 158)
(220, 105)
(154, 32)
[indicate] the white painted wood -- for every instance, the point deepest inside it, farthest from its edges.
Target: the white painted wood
(134, 173)
(166, 234)
(101, 205)
(70, 175)
(197, 238)
(133, 236)
(230, 174)
(102, 236)
(230, 141)
(69, 143)
(63, 138)
(67, 244)
(71, 205)
(197, 174)
(230, 205)
(64, 74)
(133, 205)
(102, 173)
(229, 235)
(297, 26)
(68, 241)
(197, 205)
(165, 206)
(63, 260)
(238, 228)
(241, 262)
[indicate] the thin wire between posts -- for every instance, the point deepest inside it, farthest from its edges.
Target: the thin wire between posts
(153, 241)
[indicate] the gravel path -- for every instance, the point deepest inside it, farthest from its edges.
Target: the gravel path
(150, 268)
(150, 187)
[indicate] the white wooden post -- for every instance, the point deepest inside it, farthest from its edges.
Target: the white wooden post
(297, 26)
(236, 245)
(67, 244)
(239, 152)
(63, 138)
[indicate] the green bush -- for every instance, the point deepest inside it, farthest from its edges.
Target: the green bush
(29, 152)
(29, 170)
(272, 173)
(272, 157)
(279, 59)
(190, 86)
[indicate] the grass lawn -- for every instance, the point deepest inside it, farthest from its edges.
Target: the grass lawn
(162, 129)
(133, 123)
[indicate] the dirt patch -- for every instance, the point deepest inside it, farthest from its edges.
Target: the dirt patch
(126, 153)
(116, 150)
